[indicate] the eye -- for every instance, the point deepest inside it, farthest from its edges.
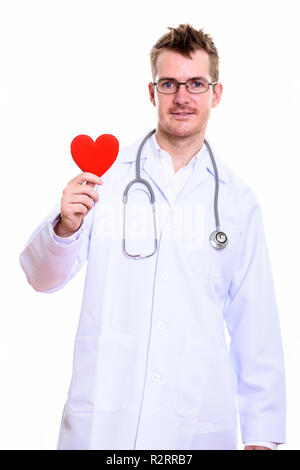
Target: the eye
(167, 84)
(198, 84)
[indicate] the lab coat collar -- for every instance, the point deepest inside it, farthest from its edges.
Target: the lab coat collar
(151, 166)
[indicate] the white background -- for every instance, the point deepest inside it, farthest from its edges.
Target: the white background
(57, 60)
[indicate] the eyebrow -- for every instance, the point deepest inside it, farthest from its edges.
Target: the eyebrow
(172, 78)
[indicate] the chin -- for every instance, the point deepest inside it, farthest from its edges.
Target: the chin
(182, 130)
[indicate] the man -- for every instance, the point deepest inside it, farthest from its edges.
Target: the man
(151, 364)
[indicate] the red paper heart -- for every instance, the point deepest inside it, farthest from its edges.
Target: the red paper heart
(95, 157)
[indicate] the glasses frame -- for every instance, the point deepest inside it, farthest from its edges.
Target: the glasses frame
(183, 83)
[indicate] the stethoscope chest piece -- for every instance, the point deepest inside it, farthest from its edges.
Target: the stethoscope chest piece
(218, 240)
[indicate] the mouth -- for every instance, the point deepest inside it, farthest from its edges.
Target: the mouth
(182, 115)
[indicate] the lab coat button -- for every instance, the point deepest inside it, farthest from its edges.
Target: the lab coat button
(156, 377)
(161, 325)
(164, 276)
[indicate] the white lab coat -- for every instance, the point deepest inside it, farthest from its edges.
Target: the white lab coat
(152, 369)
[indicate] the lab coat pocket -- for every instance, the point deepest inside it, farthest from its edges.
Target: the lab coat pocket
(206, 384)
(102, 368)
(213, 264)
(209, 271)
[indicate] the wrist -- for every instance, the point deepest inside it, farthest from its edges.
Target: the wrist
(61, 231)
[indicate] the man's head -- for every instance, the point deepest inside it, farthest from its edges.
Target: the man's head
(182, 54)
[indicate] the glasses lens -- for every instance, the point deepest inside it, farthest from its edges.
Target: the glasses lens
(197, 85)
(167, 86)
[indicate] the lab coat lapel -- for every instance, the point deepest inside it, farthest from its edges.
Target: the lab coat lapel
(197, 177)
(202, 170)
(153, 169)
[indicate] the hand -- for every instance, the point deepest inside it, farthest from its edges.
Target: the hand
(256, 448)
(77, 200)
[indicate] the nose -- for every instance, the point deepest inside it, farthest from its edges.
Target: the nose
(182, 95)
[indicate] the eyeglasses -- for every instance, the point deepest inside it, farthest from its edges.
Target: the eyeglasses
(193, 85)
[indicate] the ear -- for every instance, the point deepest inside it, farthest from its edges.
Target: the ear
(151, 93)
(217, 95)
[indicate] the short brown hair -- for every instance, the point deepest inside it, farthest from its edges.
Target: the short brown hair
(186, 39)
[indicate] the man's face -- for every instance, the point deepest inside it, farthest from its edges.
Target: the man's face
(172, 64)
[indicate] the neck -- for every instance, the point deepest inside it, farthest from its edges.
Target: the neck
(181, 149)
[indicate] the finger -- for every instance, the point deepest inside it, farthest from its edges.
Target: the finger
(83, 199)
(80, 209)
(86, 177)
(85, 189)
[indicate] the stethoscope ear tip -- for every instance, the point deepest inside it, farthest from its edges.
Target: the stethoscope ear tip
(218, 240)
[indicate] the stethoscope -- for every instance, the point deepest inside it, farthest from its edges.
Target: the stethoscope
(218, 239)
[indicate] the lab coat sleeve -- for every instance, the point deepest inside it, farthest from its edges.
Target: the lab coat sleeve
(271, 445)
(49, 261)
(64, 241)
(252, 320)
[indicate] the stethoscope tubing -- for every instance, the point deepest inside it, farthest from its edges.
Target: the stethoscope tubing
(217, 238)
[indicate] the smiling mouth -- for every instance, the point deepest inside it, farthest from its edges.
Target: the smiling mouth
(182, 114)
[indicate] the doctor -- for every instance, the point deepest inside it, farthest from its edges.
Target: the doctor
(152, 369)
